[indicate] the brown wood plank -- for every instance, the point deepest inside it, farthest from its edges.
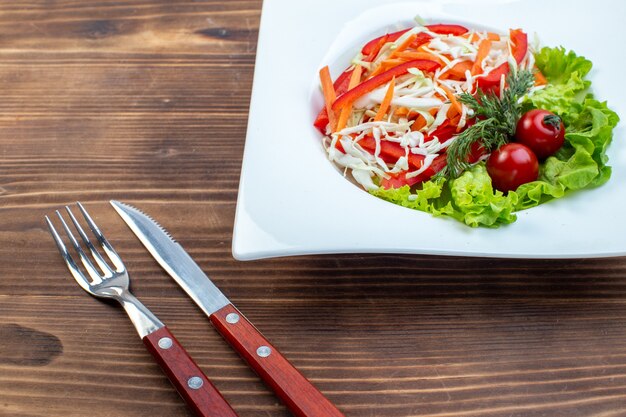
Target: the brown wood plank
(146, 101)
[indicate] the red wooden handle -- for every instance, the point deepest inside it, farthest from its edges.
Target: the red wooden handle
(298, 394)
(190, 382)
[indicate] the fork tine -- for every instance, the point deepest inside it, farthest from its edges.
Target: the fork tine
(99, 259)
(112, 254)
(80, 278)
(91, 269)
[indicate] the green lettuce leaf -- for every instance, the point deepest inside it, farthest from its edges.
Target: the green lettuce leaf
(558, 98)
(428, 199)
(565, 72)
(558, 65)
(478, 203)
(470, 199)
(581, 162)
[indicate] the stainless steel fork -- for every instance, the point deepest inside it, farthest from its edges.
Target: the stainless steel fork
(112, 282)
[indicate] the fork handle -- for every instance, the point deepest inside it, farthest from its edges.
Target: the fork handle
(193, 386)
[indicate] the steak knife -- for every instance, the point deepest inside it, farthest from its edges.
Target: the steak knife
(297, 392)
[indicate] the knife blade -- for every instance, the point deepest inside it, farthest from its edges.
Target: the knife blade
(299, 395)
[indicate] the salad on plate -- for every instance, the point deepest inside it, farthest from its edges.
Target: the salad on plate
(470, 124)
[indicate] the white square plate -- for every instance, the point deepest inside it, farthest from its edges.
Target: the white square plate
(293, 201)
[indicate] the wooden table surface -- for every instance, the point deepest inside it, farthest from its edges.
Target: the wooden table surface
(146, 102)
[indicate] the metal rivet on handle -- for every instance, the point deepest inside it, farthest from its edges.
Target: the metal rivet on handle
(165, 343)
(263, 351)
(195, 382)
(232, 318)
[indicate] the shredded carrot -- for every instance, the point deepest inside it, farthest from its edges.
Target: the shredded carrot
(329, 96)
(493, 36)
(386, 65)
(454, 117)
(384, 106)
(453, 112)
(458, 71)
(454, 121)
(452, 98)
(470, 36)
(398, 56)
(419, 124)
(424, 48)
(420, 121)
(355, 79)
(381, 42)
(402, 111)
(418, 55)
(379, 69)
(390, 63)
(483, 51)
(407, 42)
(540, 79)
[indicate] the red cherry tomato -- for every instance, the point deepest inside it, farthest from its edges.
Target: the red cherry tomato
(542, 131)
(512, 165)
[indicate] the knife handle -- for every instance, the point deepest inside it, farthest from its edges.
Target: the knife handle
(193, 386)
(298, 394)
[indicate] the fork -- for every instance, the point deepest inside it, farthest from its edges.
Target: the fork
(112, 282)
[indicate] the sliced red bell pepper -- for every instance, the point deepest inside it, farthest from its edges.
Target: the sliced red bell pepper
(441, 29)
(437, 165)
(374, 46)
(375, 49)
(341, 86)
(321, 121)
(400, 180)
(342, 82)
(381, 79)
(390, 37)
(371, 50)
(520, 44)
(390, 152)
(420, 40)
(444, 132)
(491, 82)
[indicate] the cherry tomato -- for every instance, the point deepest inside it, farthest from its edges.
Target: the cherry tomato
(542, 131)
(512, 165)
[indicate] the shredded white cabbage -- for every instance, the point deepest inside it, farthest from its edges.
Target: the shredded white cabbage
(406, 140)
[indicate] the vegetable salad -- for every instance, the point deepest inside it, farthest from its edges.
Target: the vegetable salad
(438, 117)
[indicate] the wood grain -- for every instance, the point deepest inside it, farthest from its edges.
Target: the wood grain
(146, 102)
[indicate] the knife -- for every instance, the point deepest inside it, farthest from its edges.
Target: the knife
(297, 392)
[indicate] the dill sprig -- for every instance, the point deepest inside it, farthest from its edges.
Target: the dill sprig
(496, 119)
